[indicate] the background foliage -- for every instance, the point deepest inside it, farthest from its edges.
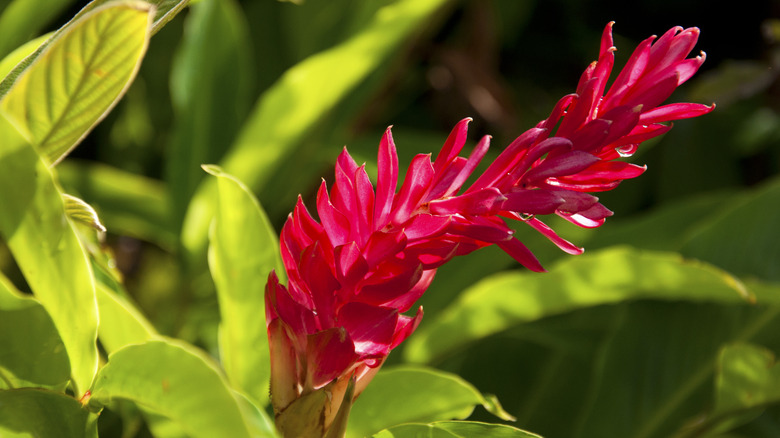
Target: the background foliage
(667, 326)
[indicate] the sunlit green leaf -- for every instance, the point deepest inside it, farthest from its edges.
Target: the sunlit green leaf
(165, 11)
(121, 323)
(47, 250)
(453, 429)
(42, 414)
(79, 77)
(81, 212)
(243, 251)
(176, 380)
(31, 351)
(129, 204)
(289, 109)
(414, 395)
(508, 299)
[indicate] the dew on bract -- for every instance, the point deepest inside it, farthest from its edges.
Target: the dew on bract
(626, 151)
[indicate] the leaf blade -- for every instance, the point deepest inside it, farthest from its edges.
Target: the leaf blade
(79, 77)
(607, 276)
(410, 394)
(159, 375)
(243, 250)
(47, 250)
(44, 414)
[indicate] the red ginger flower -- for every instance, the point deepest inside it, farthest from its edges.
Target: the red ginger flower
(374, 252)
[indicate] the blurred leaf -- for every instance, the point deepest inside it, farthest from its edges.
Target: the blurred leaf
(453, 429)
(652, 377)
(47, 250)
(757, 131)
(173, 379)
(743, 237)
(257, 420)
(731, 82)
(243, 251)
(415, 394)
(211, 92)
(748, 377)
(25, 19)
(31, 351)
(617, 274)
(121, 323)
(300, 100)
(80, 76)
(81, 212)
(665, 228)
(9, 61)
(43, 414)
(129, 204)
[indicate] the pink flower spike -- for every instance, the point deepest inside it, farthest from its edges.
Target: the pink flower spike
(674, 111)
(550, 234)
(371, 327)
(532, 202)
(562, 165)
(387, 178)
(480, 203)
(521, 254)
(452, 146)
(336, 225)
(374, 252)
(474, 159)
(416, 184)
(329, 353)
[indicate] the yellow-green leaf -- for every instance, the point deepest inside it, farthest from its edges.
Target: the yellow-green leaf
(79, 211)
(31, 351)
(79, 77)
(121, 323)
(180, 382)
(243, 251)
(48, 251)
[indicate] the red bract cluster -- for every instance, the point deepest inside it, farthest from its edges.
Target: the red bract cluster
(375, 251)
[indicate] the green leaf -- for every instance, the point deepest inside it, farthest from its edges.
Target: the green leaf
(743, 237)
(211, 89)
(79, 77)
(81, 212)
(31, 351)
(47, 250)
(748, 377)
(415, 394)
(746, 381)
(165, 11)
(243, 251)
(42, 414)
(300, 100)
(129, 204)
(173, 379)
(121, 324)
(454, 429)
(508, 299)
(24, 19)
